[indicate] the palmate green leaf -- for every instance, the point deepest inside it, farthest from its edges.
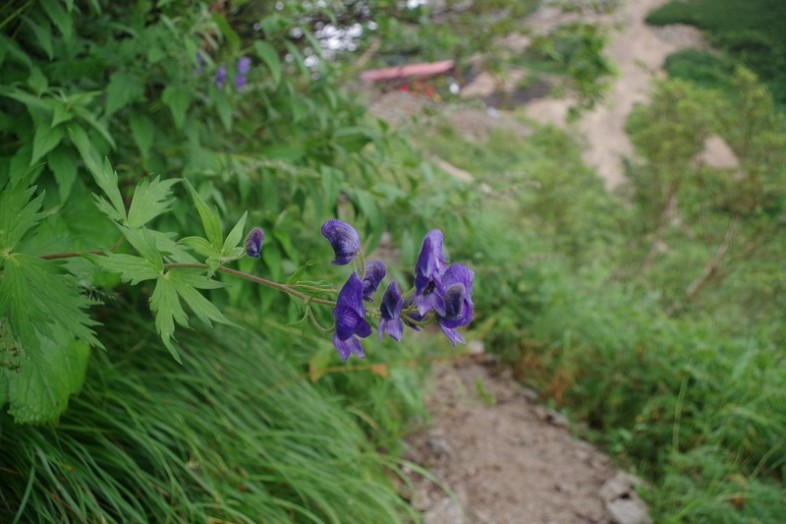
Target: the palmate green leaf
(123, 89)
(177, 284)
(63, 163)
(19, 212)
(131, 268)
(201, 246)
(103, 174)
(36, 296)
(151, 198)
(210, 220)
(145, 243)
(51, 370)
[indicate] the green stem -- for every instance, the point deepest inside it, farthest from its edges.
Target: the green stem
(258, 280)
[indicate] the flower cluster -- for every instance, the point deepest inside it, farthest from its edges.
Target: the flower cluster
(442, 293)
(241, 76)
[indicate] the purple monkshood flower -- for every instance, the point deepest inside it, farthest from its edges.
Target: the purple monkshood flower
(344, 240)
(243, 66)
(429, 291)
(350, 315)
(459, 309)
(390, 310)
(221, 76)
(375, 272)
(254, 242)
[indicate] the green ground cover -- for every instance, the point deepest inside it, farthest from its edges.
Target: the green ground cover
(750, 31)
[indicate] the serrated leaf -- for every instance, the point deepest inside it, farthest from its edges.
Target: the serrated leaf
(61, 114)
(151, 198)
(87, 116)
(177, 100)
(131, 268)
(229, 34)
(36, 295)
(63, 163)
(166, 244)
(50, 372)
(201, 246)
(142, 131)
(123, 88)
(103, 174)
(145, 243)
(234, 237)
(186, 285)
(19, 212)
(46, 139)
(268, 54)
(210, 221)
(59, 17)
(166, 306)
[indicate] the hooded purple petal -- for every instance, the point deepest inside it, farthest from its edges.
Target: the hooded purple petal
(243, 65)
(375, 272)
(221, 77)
(254, 242)
(348, 347)
(350, 315)
(429, 269)
(344, 240)
(390, 313)
(459, 309)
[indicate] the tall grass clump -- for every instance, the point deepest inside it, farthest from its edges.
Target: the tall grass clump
(235, 434)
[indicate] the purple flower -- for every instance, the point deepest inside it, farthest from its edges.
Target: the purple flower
(350, 315)
(375, 272)
(243, 66)
(221, 77)
(344, 240)
(429, 290)
(459, 309)
(390, 309)
(254, 242)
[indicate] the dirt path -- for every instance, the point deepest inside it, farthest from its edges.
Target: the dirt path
(638, 51)
(509, 460)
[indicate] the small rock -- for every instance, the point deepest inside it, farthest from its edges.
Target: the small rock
(552, 417)
(622, 502)
(446, 511)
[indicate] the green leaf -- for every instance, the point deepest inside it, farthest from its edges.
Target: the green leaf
(177, 100)
(145, 243)
(37, 295)
(49, 373)
(186, 285)
(61, 113)
(210, 220)
(235, 236)
(142, 131)
(123, 89)
(224, 109)
(19, 213)
(151, 198)
(268, 54)
(43, 36)
(88, 117)
(103, 175)
(131, 268)
(166, 306)
(63, 163)
(201, 246)
(46, 139)
(229, 34)
(58, 15)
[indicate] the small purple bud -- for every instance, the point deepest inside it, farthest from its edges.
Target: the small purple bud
(254, 242)
(344, 240)
(375, 272)
(221, 76)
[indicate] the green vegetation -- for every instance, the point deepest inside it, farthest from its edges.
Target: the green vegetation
(653, 315)
(750, 31)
